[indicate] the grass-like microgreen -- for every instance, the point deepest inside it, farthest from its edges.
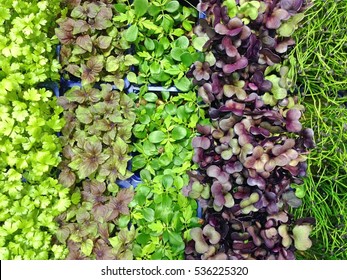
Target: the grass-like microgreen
(320, 55)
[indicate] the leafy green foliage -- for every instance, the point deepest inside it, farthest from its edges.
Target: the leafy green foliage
(93, 46)
(27, 43)
(30, 118)
(29, 154)
(320, 53)
(164, 128)
(161, 32)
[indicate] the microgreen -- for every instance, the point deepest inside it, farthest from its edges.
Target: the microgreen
(96, 226)
(30, 196)
(256, 236)
(245, 166)
(165, 125)
(27, 45)
(96, 133)
(95, 155)
(319, 55)
(255, 146)
(161, 34)
(164, 128)
(93, 46)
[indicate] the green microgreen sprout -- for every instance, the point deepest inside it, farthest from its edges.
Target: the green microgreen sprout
(164, 128)
(161, 33)
(321, 55)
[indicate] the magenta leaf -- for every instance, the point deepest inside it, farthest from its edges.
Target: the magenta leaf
(293, 114)
(240, 64)
(215, 172)
(235, 23)
(268, 41)
(256, 181)
(245, 33)
(270, 55)
(253, 48)
(232, 106)
(292, 120)
(206, 93)
(67, 24)
(201, 142)
(202, 71)
(282, 47)
(229, 48)
(233, 167)
(293, 126)
(274, 21)
(65, 37)
(233, 28)
(67, 178)
(291, 5)
(260, 83)
(308, 136)
(103, 19)
(280, 149)
(91, 70)
(216, 84)
(227, 123)
(259, 131)
(204, 129)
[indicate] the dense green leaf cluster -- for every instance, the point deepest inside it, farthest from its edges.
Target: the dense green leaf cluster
(161, 32)
(165, 126)
(27, 45)
(29, 148)
(164, 129)
(321, 55)
(30, 196)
